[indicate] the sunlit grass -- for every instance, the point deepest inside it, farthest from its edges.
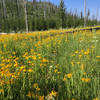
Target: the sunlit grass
(50, 66)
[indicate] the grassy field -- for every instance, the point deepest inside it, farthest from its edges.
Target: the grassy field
(50, 65)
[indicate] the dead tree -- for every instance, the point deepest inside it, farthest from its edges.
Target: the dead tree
(97, 13)
(26, 18)
(84, 13)
(4, 8)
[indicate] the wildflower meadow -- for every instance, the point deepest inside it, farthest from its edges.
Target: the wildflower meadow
(50, 65)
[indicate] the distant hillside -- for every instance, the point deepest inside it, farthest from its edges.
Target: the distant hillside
(41, 16)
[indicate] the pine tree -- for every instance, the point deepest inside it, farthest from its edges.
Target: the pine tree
(62, 14)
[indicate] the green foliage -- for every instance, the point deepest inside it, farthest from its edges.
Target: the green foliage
(62, 14)
(60, 67)
(41, 16)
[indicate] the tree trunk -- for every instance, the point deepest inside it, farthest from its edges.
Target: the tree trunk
(84, 13)
(26, 18)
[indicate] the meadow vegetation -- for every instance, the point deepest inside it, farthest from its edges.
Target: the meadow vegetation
(50, 65)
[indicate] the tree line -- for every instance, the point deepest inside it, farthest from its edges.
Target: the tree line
(17, 15)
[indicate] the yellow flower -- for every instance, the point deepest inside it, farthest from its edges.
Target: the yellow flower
(76, 52)
(30, 70)
(69, 75)
(95, 99)
(82, 51)
(78, 62)
(44, 60)
(87, 52)
(41, 98)
(34, 57)
(25, 54)
(56, 70)
(82, 67)
(86, 80)
(22, 68)
(59, 72)
(36, 96)
(29, 94)
(42, 65)
(14, 53)
(73, 55)
(35, 85)
(1, 91)
(80, 56)
(1, 65)
(98, 60)
(72, 63)
(53, 93)
(38, 89)
(83, 79)
(64, 79)
(16, 64)
(97, 56)
(32, 64)
(73, 99)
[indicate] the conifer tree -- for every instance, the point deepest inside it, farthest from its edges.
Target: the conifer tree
(62, 15)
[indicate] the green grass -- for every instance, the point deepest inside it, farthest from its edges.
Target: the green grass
(60, 67)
